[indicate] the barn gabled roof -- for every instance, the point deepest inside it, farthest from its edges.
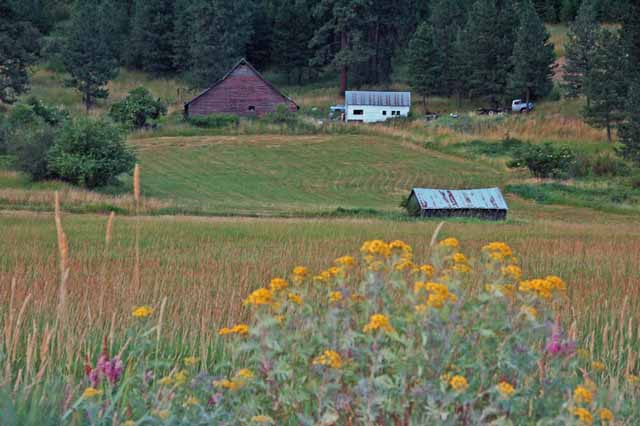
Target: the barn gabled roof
(444, 199)
(242, 61)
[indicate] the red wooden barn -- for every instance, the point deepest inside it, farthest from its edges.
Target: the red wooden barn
(242, 91)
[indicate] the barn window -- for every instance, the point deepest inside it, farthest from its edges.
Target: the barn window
(252, 108)
(384, 112)
(358, 112)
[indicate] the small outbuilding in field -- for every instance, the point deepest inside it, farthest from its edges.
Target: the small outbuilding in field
(242, 91)
(372, 107)
(487, 203)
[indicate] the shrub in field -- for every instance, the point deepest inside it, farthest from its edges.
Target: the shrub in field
(90, 152)
(544, 161)
(381, 341)
(214, 121)
(137, 108)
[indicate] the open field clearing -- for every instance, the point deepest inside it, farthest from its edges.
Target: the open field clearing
(206, 267)
(298, 173)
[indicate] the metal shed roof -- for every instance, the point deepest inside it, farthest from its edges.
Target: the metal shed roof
(377, 98)
(441, 199)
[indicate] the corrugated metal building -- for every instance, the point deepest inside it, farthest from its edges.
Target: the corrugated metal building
(486, 203)
(242, 91)
(371, 107)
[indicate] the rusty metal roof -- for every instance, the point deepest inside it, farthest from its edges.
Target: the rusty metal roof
(440, 199)
(377, 98)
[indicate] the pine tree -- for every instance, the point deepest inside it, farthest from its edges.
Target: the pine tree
(18, 47)
(89, 57)
(182, 37)
(151, 41)
(221, 33)
(629, 131)
(605, 83)
(533, 56)
(631, 36)
(118, 25)
(291, 37)
(424, 63)
(447, 18)
(581, 41)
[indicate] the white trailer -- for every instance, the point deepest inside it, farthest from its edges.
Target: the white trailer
(373, 107)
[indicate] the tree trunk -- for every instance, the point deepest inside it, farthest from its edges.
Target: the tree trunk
(424, 103)
(344, 71)
(609, 131)
(528, 95)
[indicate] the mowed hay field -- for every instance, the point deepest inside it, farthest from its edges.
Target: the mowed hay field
(296, 174)
(204, 267)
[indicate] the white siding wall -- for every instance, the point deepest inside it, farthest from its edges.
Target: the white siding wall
(373, 114)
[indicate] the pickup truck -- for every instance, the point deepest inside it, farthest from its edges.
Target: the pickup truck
(518, 105)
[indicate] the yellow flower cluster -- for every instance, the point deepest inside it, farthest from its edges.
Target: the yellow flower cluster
(584, 415)
(190, 361)
(439, 294)
(506, 290)
(544, 288)
(191, 400)
(506, 389)
(605, 415)
(91, 392)
(262, 419)
(329, 358)
(345, 261)
(498, 250)
(375, 248)
(238, 381)
(512, 271)
(459, 383)
(449, 242)
(278, 284)
(598, 366)
(335, 296)
(142, 311)
(261, 296)
(529, 311)
(295, 298)
(633, 379)
(181, 377)
(326, 276)
(240, 329)
(582, 395)
(378, 322)
(427, 270)
(300, 273)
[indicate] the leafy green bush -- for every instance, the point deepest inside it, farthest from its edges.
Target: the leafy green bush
(544, 161)
(384, 341)
(137, 108)
(90, 152)
(599, 165)
(34, 110)
(214, 121)
(30, 150)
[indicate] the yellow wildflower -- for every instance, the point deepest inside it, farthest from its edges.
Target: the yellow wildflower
(261, 296)
(295, 298)
(605, 415)
(357, 298)
(192, 400)
(300, 273)
(421, 308)
(459, 258)
(582, 395)
(378, 321)
(403, 264)
(241, 329)
(498, 247)
(598, 366)
(261, 419)
(445, 378)
(90, 392)
(180, 377)
(556, 283)
(329, 358)
(427, 270)
(543, 288)
(346, 261)
(461, 267)
(162, 414)
(245, 373)
(278, 284)
(584, 415)
(228, 384)
(324, 276)
(529, 311)
(377, 266)
(512, 271)
(376, 247)
(449, 242)
(279, 318)
(142, 311)
(190, 361)
(335, 296)
(633, 379)
(459, 383)
(166, 381)
(506, 389)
